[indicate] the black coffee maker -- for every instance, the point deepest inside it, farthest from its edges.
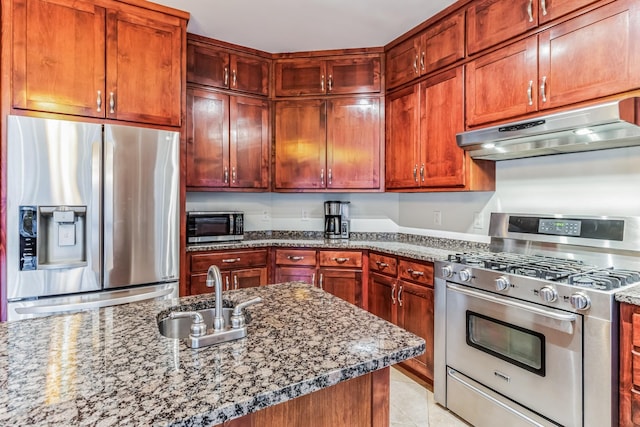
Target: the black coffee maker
(336, 220)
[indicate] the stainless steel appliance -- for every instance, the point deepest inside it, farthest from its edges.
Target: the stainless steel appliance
(207, 227)
(527, 333)
(336, 220)
(91, 208)
(609, 125)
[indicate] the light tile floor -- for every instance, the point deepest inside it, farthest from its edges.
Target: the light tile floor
(412, 405)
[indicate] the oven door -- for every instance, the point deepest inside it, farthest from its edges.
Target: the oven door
(526, 352)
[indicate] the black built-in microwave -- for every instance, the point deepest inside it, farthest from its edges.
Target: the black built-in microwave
(207, 227)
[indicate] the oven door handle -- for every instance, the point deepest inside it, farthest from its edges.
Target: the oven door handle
(509, 303)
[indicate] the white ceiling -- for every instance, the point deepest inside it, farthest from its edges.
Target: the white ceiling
(279, 26)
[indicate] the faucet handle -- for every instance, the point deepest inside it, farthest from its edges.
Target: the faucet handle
(198, 327)
(237, 318)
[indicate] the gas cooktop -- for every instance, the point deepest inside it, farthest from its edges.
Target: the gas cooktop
(559, 270)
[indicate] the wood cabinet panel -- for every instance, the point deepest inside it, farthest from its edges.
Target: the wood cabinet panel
(207, 66)
(503, 84)
(416, 271)
(248, 278)
(353, 143)
(300, 77)
(402, 62)
(144, 68)
(300, 144)
(548, 10)
(402, 152)
(629, 392)
(490, 22)
(353, 75)
(207, 159)
(443, 43)
(249, 142)
(343, 283)
(340, 259)
(228, 260)
(382, 294)
(249, 74)
(295, 257)
(383, 264)
(591, 56)
(296, 274)
(46, 77)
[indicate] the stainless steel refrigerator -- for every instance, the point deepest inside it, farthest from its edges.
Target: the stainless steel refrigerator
(92, 215)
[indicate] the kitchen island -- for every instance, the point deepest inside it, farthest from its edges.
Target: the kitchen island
(111, 366)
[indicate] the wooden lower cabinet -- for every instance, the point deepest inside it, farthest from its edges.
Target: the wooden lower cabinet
(359, 402)
(405, 297)
(239, 269)
(629, 393)
(343, 283)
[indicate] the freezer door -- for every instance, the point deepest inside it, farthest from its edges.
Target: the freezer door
(53, 207)
(141, 206)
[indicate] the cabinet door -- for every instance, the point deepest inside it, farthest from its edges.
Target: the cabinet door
(249, 142)
(301, 144)
(296, 274)
(441, 117)
(402, 62)
(144, 67)
(382, 296)
(249, 74)
(443, 43)
(207, 139)
(353, 143)
(198, 283)
(343, 283)
(503, 84)
(300, 77)
(207, 66)
(248, 278)
(548, 10)
(403, 138)
(415, 314)
(58, 57)
(593, 55)
(490, 22)
(353, 75)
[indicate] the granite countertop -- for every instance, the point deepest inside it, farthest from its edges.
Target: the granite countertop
(630, 295)
(111, 366)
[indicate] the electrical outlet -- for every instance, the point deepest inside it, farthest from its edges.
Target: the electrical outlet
(265, 215)
(477, 220)
(304, 215)
(437, 218)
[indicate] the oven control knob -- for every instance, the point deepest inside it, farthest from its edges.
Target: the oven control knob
(548, 294)
(465, 275)
(447, 271)
(502, 283)
(580, 301)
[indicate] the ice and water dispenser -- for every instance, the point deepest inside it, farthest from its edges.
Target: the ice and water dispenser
(52, 237)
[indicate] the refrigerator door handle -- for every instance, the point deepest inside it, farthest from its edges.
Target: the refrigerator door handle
(108, 204)
(96, 209)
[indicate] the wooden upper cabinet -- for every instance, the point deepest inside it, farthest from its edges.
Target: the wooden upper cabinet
(300, 147)
(402, 152)
(46, 77)
(548, 10)
(490, 22)
(216, 67)
(354, 140)
(590, 56)
(144, 67)
(314, 76)
(249, 142)
(402, 62)
(121, 63)
(503, 84)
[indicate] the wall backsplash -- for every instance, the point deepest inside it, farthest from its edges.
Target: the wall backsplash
(593, 183)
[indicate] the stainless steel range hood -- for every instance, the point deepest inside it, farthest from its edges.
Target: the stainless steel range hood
(608, 125)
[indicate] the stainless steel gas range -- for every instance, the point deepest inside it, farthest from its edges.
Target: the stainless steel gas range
(527, 333)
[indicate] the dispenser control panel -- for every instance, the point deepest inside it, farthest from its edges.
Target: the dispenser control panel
(28, 224)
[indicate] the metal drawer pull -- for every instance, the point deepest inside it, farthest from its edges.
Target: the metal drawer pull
(543, 88)
(422, 61)
(227, 282)
(320, 282)
(330, 176)
(530, 10)
(313, 279)
(393, 294)
(543, 5)
(415, 273)
(381, 264)
(341, 260)
(295, 258)
(322, 175)
(231, 260)
(235, 78)
(235, 281)
(226, 175)
(400, 296)
(330, 82)
(530, 92)
(322, 83)
(415, 64)
(112, 103)
(422, 172)
(226, 76)
(415, 173)
(233, 175)
(99, 102)
(634, 391)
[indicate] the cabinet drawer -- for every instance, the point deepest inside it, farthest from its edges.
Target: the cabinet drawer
(295, 257)
(416, 272)
(227, 260)
(383, 264)
(340, 259)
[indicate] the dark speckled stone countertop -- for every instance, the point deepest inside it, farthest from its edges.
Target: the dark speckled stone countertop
(630, 295)
(111, 366)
